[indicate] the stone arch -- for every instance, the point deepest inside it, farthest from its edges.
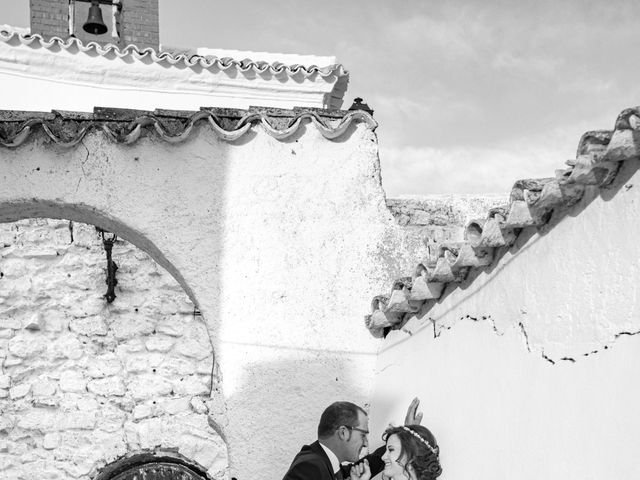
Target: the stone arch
(153, 465)
(35, 208)
(95, 380)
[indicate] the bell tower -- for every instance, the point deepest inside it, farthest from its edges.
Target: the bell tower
(124, 22)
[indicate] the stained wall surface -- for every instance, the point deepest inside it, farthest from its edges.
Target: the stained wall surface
(527, 371)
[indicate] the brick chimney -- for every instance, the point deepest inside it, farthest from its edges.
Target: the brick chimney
(135, 23)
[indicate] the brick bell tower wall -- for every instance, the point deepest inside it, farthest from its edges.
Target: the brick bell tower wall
(139, 21)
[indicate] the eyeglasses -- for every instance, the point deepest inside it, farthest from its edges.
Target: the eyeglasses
(365, 432)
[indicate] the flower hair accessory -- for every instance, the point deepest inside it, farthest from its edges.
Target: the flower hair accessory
(417, 435)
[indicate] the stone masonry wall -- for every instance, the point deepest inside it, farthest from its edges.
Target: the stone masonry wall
(84, 382)
(441, 218)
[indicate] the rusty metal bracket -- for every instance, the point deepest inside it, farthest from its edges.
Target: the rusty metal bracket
(111, 280)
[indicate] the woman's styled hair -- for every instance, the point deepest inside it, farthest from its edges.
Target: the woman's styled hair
(418, 449)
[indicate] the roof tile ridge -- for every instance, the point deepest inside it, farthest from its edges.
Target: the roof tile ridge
(532, 203)
(127, 126)
(189, 60)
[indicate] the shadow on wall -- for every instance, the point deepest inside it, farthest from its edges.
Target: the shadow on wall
(313, 380)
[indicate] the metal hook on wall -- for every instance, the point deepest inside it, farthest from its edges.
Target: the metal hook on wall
(111, 265)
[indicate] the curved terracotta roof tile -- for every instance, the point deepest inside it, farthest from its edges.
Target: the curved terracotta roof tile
(178, 59)
(67, 129)
(531, 204)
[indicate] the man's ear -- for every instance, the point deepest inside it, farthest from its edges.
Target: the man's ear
(341, 433)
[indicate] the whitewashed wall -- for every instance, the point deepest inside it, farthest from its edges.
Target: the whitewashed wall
(282, 245)
(71, 76)
(84, 382)
(531, 369)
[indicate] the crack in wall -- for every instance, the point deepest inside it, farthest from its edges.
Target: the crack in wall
(84, 174)
(548, 359)
(438, 331)
(525, 335)
(615, 338)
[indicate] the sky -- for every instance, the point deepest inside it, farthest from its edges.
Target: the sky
(469, 95)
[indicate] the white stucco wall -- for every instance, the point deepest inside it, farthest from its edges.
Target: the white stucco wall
(41, 75)
(497, 404)
(281, 244)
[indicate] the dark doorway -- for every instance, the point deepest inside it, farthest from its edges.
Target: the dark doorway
(153, 467)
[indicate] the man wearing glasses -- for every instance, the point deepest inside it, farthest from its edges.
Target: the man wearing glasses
(342, 434)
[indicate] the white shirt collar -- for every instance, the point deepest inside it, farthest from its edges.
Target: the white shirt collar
(335, 463)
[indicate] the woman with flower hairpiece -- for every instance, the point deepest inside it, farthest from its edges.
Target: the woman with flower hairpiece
(411, 454)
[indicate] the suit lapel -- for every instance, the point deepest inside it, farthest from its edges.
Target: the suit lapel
(318, 450)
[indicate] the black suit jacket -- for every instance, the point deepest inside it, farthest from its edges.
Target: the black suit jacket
(312, 463)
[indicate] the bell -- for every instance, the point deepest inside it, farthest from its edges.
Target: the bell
(94, 24)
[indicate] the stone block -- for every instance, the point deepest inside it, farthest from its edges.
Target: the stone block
(159, 343)
(6, 463)
(174, 365)
(27, 345)
(197, 405)
(112, 419)
(87, 404)
(89, 326)
(125, 328)
(51, 440)
(54, 321)
(142, 411)
(130, 346)
(190, 385)
(107, 387)
(12, 361)
(66, 346)
(19, 391)
(75, 420)
(43, 388)
(6, 424)
(73, 381)
(143, 387)
(104, 366)
(5, 381)
(35, 322)
(174, 406)
(137, 364)
(192, 348)
(205, 367)
(48, 402)
(170, 326)
(132, 438)
(151, 433)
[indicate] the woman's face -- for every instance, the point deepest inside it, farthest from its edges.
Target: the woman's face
(393, 465)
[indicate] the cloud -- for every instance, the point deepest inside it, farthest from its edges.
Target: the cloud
(428, 170)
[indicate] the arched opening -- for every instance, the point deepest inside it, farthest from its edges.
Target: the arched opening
(153, 466)
(84, 381)
(11, 212)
